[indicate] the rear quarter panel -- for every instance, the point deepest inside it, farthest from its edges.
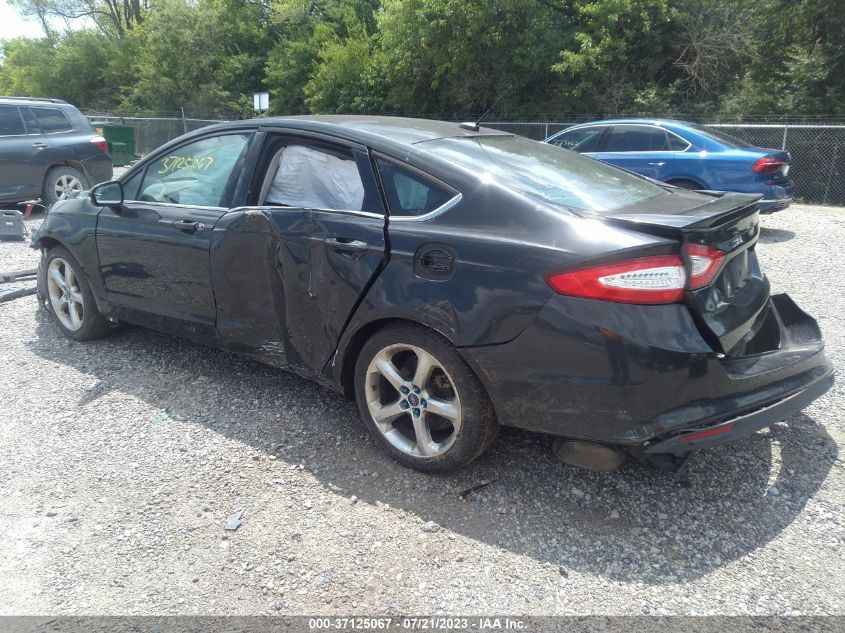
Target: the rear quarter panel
(504, 244)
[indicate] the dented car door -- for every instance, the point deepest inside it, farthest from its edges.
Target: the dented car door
(289, 269)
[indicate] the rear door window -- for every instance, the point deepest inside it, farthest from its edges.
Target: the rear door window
(30, 122)
(52, 120)
(306, 177)
(410, 195)
(635, 138)
(11, 123)
(584, 139)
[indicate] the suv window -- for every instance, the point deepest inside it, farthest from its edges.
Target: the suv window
(410, 195)
(194, 174)
(10, 121)
(51, 120)
(636, 138)
(581, 140)
(29, 121)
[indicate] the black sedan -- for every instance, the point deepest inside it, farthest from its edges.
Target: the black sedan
(450, 279)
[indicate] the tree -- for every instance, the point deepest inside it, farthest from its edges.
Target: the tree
(114, 18)
(452, 57)
(206, 56)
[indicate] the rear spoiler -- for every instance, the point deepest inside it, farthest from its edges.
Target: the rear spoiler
(726, 209)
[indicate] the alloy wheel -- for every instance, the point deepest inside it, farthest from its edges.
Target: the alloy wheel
(65, 294)
(413, 401)
(67, 186)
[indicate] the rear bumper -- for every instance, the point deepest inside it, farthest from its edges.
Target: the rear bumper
(642, 375)
(735, 428)
(770, 206)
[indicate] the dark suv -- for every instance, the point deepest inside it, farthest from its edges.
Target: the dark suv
(48, 150)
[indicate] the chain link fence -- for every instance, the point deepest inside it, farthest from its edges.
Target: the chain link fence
(817, 150)
(152, 132)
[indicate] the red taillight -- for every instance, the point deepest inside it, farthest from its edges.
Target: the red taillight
(705, 262)
(767, 165)
(100, 142)
(644, 280)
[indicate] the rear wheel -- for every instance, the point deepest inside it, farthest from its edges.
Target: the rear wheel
(421, 401)
(61, 183)
(685, 184)
(69, 296)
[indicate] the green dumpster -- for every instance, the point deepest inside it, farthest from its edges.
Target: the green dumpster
(120, 140)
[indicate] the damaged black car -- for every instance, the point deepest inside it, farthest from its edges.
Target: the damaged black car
(450, 279)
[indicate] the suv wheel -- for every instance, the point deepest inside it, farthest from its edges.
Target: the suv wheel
(421, 401)
(62, 183)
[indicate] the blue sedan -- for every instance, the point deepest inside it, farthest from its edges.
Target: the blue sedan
(685, 155)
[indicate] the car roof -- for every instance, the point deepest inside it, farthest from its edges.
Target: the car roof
(36, 100)
(659, 122)
(366, 129)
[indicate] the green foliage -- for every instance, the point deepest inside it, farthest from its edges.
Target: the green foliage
(447, 58)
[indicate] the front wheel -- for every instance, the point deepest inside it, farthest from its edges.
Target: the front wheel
(421, 401)
(69, 296)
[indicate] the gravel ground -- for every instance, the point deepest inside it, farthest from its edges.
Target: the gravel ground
(121, 460)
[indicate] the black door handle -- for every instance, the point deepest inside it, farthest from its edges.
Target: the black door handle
(188, 226)
(347, 245)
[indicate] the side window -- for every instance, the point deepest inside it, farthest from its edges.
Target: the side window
(10, 121)
(194, 174)
(676, 143)
(580, 140)
(52, 120)
(30, 122)
(314, 178)
(409, 195)
(635, 138)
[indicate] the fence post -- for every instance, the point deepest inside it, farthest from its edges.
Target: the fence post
(832, 169)
(785, 128)
(184, 124)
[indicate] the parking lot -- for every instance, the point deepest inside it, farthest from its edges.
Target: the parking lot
(122, 459)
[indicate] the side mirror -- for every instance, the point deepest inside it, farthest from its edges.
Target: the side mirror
(107, 194)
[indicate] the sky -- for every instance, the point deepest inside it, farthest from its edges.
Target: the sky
(13, 25)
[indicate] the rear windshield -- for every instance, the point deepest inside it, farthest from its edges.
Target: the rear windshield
(724, 138)
(547, 172)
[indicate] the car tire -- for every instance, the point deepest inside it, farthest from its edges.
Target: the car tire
(685, 184)
(437, 426)
(69, 298)
(61, 183)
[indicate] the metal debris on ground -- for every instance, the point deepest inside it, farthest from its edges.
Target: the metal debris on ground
(18, 275)
(16, 293)
(234, 521)
(479, 486)
(12, 277)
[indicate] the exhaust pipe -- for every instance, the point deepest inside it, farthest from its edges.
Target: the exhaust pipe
(589, 455)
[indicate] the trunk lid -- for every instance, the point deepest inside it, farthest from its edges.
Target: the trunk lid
(731, 308)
